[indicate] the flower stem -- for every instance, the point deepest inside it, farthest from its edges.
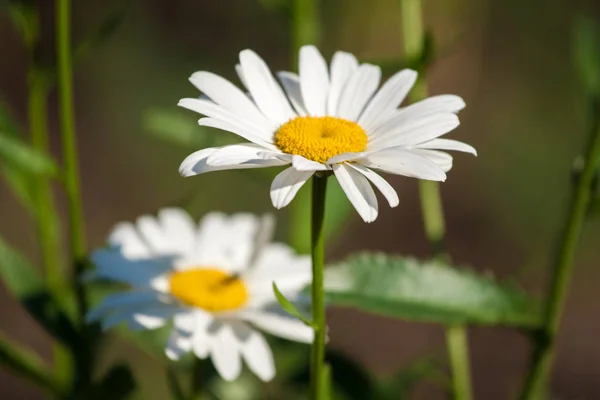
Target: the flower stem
(45, 209)
(305, 25)
(544, 339)
(431, 204)
(319, 189)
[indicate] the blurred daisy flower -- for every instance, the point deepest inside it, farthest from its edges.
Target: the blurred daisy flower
(325, 120)
(212, 280)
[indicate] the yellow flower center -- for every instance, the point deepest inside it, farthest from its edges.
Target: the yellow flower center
(210, 289)
(320, 138)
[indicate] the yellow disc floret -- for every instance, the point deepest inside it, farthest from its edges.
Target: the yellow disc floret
(320, 138)
(210, 289)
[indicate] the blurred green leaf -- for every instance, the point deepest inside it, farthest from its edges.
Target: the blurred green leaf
(177, 128)
(118, 383)
(586, 45)
(337, 211)
(23, 362)
(26, 284)
(20, 155)
(24, 16)
(289, 307)
(426, 291)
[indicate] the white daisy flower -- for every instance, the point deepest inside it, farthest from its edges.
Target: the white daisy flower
(214, 281)
(323, 120)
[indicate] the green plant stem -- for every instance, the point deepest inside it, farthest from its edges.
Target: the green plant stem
(305, 25)
(28, 365)
(431, 204)
(45, 209)
(544, 339)
(319, 190)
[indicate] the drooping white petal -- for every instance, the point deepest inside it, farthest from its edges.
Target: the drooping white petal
(114, 265)
(358, 91)
(179, 227)
(150, 316)
(196, 163)
(387, 99)
(127, 238)
(303, 164)
(314, 80)
(286, 185)
(225, 353)
(279, 324)
(400, 161)
(358, 190)
(201, 338)
(177, 345)
(384, 187)
(222, 118)
(255, 351)
(442, 159)
(238, 154)
(291, 84)
(230, 97)
(343, 66)
(265, 90)
(119, 300)
(414, 130)
(447, 144)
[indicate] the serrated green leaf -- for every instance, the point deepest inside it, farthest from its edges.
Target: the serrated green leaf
(24, 157)
(586, 37)
(289, 307)
(426, 291)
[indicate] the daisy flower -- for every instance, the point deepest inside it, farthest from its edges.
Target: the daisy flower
(212, 280)
(325, 120)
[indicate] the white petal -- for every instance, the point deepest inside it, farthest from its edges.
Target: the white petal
(263, 87)
(343, 66)
(177, 345)
(387, 99)
(414, 130)
(179, 227)
(120, 300)
(201, 339)
(303, 164)
(291, 84)
(237, 154)
(150, 316)
(447, 144)
(230, 97)
(225, 353)
(384, 187)
(286, 185)
(358, 91)
(240, 74)
(112, 264)
(345, 157)
(436, 104)
(279, 324)
(196, 163)
(442, 159)
(314, 80)
(358, 190)
(255, 351)
(126, 237)
(152, 234)
(405, 162)
(222, 118)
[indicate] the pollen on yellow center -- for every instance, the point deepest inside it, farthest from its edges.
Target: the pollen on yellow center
(210, 289)
(320, 138)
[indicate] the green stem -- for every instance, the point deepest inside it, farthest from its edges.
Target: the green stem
(319, 191)
(26, 364)
(544, 346)
(46, 217)
(431, 204)
(305, 25)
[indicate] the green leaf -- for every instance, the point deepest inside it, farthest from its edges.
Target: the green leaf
(26, 284)
(426, 291)
(117, 384)
(16, 153)
(28, 365)
(25, 18)
(289, 307)
(586, 45)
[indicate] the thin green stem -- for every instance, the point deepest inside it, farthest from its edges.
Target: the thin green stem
(45, 209)
(431, 204)
(319, 190)
(544, 346)
(305, 25)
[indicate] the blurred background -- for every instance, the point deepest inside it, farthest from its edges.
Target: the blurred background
(512, 62)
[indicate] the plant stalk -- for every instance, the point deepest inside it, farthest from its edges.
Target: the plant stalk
(544, 340)
(319, 190)
(431, 204)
